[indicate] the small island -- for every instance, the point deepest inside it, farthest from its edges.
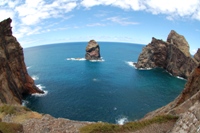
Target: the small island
(92, 51)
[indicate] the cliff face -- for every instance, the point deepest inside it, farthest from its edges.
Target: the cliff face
(92, 51)
(14, 78)
(172, 55)
(186, 106)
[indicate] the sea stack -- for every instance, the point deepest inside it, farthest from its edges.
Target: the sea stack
(172, 55)
(92, 51)
(14, 78)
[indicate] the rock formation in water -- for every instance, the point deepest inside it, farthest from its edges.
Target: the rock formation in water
(14, 78)
(172, 55)
(197, 55)
(92, 51)
(186, 106)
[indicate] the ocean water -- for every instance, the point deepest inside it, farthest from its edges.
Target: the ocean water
(111, 90)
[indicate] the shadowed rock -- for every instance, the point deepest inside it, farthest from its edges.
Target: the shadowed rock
(92, 51)
(14, 78)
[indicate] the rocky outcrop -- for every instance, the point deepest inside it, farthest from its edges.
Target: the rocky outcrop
(92, 51)
(14, 78)
(179, 41)
(172, 55)
(186, 106)
(197, 55)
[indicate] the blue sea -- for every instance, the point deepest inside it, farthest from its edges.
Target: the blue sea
(111, 90)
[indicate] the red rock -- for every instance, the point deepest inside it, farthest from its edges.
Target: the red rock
(14, 78)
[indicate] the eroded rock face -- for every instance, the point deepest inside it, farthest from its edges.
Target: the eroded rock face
(172, 55)
(179, 41)
(92, 51)
(186, 106)
(197, 55)
(14, 78)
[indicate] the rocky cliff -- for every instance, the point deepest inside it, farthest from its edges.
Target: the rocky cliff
(92, 51)
(172, 55)
(14, 78)
(186, 106)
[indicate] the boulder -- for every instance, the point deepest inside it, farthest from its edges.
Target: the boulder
(14, 78)
(92, 51)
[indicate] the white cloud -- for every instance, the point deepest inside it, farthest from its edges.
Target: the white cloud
(25, 30)
(194, 51)
(122, 21)
(124, 4)
(95, 24)
(4, 14)
(13, 4)
(34, 16)
(33, 12)
(90, 3)
(30, 13)
(173, 9)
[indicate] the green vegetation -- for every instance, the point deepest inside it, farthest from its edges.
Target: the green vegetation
(130, 126)
(11, 109)
(10, 127)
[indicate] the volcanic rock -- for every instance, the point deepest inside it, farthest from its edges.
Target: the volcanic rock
(14, 78)
(92, 51)
(179, 41)
(197, 55)
(172, 55)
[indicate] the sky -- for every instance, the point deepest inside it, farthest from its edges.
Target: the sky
(39, 22)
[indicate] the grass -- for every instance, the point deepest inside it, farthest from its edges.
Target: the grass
(23, 117)
(10, 127)
(11, 109)
(127, 127)
(19, 113)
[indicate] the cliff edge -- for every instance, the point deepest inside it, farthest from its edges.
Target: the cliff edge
(186, 106)
(172, 55)
(14, 78)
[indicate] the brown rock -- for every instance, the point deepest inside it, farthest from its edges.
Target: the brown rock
(172, 55)
(179, 41)
(14, 78)
(92, 51)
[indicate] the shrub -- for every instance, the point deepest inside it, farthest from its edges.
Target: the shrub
(10, 127)
(11, 109)
(7, 109)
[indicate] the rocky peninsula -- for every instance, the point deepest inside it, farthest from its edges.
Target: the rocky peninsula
(92, 51)
(172, 55)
